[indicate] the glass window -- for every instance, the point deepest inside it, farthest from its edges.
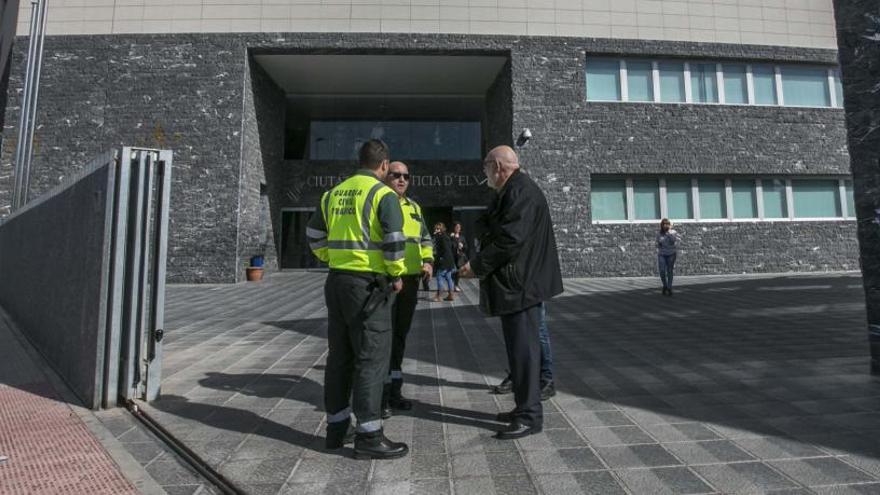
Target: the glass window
(423, 140)
(646, 199)
(671, 82)
(764, 78)
(816, 198)
(603, 80)
(704, 83)
(608, 199)
(775, 205)
(679, 199)
(735, 86)
(850, 199)
(745, 199)
(712, 199)
(640, 81)
(838, 90)
(805, 87)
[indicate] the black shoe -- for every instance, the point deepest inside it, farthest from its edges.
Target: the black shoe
(515, 430)
(664, 291)
(339, 434)
(374, 445)
(504, 417)
(548, 391)
(386, 412)
(400, 403)
(669, 291)
(505, 387)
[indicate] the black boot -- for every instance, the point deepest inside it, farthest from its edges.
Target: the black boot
(339, 434)
(374, 445)
(396, 399)
(386, 396)
(547, 390)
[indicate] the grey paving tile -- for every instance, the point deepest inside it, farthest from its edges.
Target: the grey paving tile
(495, 464)
(500, 485)
(862, 489)
(415, 487)
(821, 471)
(681, 432)
(778, 448)
(749, 477)
(616, 435)
(332, 469)
(171, 473)
(262, 471)
(587, 419)
(562, 461)
(589, 482)
(412, 467)
(710, 452)
(261, 488)
(552, 439)
(664, 481)
(637, 456)
(181, 489)
(477, 442)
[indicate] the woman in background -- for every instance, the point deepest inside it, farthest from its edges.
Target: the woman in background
(667, 249)
(444, 262)
(459, 247)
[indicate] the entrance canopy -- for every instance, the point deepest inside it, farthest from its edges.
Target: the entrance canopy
(383, 74)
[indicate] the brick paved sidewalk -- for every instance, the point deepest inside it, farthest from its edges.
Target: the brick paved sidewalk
(49, 449)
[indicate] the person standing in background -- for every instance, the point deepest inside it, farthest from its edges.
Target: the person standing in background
(444, 262)
(460, 251)
(667, 250)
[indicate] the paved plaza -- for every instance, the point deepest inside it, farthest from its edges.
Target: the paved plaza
(736, 384)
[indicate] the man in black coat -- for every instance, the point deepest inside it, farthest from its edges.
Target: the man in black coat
(518, 268)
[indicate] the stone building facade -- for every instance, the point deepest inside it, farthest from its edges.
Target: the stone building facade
(236, 98)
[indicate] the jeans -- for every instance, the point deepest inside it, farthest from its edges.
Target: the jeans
(666, 264)
(444, 280)
(546, 354)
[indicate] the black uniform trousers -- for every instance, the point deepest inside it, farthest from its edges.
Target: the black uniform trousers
(360, 347)
(402, 312)
(524, 358)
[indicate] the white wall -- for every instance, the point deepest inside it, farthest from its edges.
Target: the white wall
(806, 23)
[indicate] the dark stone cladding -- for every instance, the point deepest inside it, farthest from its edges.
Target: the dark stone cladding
(199, 95)
(858, 38)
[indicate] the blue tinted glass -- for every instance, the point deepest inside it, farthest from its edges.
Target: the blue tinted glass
(679, 199)
(646, 199)
(671, 82)
(745, 200)
(640, 81)
(608, 199)
(603, 80)
(764, 78)
(735, 86)
(775, 205)
(704, 83)
(816, 198)
(423, 140)
(838, 90)
(805, 87)
(850, 199)
(712, 199)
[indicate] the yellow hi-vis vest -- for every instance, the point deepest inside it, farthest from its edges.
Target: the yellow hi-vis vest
(355, 240)
(419, 243)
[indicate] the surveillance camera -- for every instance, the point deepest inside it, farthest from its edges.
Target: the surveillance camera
(523, 138)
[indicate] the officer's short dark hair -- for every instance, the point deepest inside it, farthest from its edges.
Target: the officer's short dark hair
(372, 154)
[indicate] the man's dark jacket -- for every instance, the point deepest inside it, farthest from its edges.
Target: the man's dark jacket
(517, 265)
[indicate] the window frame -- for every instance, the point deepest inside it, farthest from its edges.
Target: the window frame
(758, 181)
(833, 74)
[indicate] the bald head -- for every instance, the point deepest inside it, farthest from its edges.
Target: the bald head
(500, 163)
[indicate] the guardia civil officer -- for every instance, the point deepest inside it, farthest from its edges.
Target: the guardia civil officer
(418, 258)
(358, 233)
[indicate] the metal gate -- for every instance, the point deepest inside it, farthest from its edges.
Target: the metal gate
(137, 288)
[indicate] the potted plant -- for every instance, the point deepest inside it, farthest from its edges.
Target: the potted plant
(255, 271)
